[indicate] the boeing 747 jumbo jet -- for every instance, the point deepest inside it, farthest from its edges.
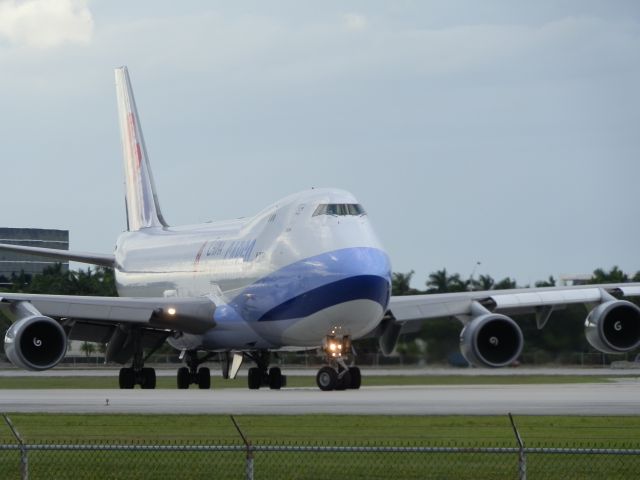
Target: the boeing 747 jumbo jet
(307, 272)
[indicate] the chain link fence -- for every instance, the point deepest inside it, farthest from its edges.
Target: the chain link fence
(116, 461)
(244, 460)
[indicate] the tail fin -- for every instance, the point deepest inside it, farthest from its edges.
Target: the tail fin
(143, 209)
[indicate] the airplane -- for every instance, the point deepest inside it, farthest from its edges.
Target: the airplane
(307, 272)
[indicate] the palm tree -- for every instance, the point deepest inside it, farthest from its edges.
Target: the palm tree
(615, 275)
(506, 283)
(88, 348)
(441, 282)
(484, 282)
(401, 284)
(551, 282)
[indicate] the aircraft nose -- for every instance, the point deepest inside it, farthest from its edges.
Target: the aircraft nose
(374, 276)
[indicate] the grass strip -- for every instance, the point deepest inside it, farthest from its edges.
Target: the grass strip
(494, 431)
(605, 432)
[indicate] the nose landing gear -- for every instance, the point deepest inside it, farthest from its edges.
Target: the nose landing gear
(337, 375)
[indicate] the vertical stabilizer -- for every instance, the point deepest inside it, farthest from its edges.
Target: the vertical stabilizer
(143, 209)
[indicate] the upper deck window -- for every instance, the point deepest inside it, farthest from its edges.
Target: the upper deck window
(339, 209)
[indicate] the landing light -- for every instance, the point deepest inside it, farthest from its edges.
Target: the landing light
(171, 311)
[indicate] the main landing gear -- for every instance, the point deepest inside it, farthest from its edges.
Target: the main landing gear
(136, 374)
(337, 375)
(192, 374)
(130, 377)
(262, 375)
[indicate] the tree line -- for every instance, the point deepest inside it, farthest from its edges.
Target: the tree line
(55, 280)
(441, 281)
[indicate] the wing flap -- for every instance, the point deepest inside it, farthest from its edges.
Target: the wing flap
(544, 298)
(91, 332)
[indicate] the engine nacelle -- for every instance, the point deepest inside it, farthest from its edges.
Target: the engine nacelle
(614, 327)
(491, 340)
(35, 343)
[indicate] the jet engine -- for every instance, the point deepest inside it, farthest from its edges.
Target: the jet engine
(491, 340)
(614, 327)
(35, 343)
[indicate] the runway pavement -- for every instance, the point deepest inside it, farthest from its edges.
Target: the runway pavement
(629, 369)
(619, 398)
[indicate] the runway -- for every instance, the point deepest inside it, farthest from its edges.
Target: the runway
(626, 369)
(619, 398)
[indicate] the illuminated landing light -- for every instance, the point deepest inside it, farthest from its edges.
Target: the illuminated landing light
(171, 311)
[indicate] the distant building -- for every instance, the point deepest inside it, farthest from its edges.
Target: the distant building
(13, 263)
(574, 279)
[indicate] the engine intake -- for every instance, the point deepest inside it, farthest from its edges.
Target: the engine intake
(614, 327)
(491, 340)
(35, 343)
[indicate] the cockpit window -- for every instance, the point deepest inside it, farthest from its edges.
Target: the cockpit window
(339, 209)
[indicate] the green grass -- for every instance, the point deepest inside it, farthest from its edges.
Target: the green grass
(342, 429)
(308, 381)
(603, 432)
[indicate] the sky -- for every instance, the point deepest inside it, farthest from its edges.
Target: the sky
(499, 132)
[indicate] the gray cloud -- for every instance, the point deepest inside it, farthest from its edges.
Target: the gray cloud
(494, 134)
(45, 23)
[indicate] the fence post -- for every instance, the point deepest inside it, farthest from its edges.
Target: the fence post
(24, 459)
(249, 457)
(522, 459)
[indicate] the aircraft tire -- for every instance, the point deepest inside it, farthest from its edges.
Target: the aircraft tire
(126, 378)
(255, 378)
(204, 378)
(183, 378)
(327, 379)
(344, 382)
(356, 378)
(275, 378)
(148, 378)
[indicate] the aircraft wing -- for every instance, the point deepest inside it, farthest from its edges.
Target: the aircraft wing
(613, 325)
(42, 324)
(191, 315)
(105, 260)
(411, 308)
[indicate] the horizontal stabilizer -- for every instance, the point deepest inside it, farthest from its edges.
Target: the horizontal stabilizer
(104, 260)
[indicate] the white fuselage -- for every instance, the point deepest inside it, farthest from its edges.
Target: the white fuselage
(284, 278)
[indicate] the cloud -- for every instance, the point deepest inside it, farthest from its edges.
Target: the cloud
(354, 22)
(45, 23)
